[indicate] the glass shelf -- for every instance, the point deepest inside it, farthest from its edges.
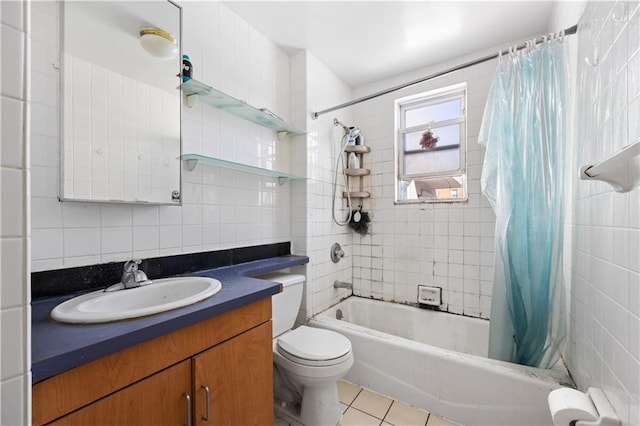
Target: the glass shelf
(193, 89)
(193, 159)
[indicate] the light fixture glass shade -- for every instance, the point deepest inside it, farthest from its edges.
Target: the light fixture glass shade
(159, 43)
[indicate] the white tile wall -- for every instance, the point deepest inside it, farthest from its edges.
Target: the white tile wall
(443, 245)
(315, 87)
(602, 242)
(15, 312)
(222, 208)
(407, 246)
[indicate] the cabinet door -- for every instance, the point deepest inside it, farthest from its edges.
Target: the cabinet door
(156, 400)
(239, 376)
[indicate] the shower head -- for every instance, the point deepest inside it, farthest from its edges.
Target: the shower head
(352, 132)
(337, 122)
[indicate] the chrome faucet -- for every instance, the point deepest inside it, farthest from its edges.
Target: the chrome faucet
(342, 284)
(336, 253)
(131, 275)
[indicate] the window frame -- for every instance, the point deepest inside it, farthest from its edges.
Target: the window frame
(425, 99)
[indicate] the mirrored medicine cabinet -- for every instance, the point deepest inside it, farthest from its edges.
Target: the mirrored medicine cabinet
(120, 102)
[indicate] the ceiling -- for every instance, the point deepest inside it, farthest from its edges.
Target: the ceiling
(365, 41)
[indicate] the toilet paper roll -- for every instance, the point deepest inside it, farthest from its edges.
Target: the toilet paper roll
(568, 405)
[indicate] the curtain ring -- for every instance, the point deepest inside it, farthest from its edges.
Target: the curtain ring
(619, 17)
(561, 37)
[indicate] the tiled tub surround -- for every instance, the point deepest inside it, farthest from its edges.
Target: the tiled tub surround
(448, 245)
(58, 347)
(437, 361)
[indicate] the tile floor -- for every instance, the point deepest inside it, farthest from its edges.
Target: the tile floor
(362, 407)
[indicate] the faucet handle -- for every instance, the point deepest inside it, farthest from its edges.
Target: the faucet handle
(132, 265)
(141, 277)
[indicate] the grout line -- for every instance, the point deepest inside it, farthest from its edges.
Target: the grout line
(357, 395)
(386, 413)
(388, 409)
(368, 414)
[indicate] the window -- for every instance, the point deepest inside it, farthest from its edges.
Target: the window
(431, 142)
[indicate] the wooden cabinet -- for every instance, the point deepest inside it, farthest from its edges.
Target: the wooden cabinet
(228, 357)
(240, 367)
(157, 400)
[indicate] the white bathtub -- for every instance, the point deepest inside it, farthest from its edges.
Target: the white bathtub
(437, 361)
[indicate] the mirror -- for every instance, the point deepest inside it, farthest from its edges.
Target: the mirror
(120, 105)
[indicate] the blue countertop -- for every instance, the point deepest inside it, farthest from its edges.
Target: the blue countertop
(57, 347)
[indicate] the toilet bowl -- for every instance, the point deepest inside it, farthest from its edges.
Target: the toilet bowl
(313, 360)
(307, 361)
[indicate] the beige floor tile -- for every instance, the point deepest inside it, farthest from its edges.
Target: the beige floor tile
(401, 414)
(353, 417)
(347, 392)
(372, 403)
(439, 421)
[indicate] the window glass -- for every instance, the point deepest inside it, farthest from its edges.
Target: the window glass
(434, 161)
(448, 136)
(440, 111)
(431, 146)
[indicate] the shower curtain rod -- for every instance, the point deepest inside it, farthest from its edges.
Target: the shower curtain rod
(569, 31)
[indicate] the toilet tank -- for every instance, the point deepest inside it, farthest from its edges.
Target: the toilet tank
(286, 304)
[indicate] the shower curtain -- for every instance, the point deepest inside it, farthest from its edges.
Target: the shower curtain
(522, 177)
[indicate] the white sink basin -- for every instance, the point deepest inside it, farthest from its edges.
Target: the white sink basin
(159, 296)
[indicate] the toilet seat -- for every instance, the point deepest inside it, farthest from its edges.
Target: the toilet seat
(314, 346)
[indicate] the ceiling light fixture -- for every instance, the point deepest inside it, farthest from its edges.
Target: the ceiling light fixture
(159, 43)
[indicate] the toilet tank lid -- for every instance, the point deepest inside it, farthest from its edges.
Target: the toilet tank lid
(283, 278)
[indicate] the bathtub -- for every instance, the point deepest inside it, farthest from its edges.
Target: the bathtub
(437, 361)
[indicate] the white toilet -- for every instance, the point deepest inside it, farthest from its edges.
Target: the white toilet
(308, 361)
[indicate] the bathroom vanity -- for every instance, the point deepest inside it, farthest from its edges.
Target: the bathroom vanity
(159, 380)
(208, 363)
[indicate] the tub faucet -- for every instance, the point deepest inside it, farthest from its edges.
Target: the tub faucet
(342, 284)
(131, 275)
